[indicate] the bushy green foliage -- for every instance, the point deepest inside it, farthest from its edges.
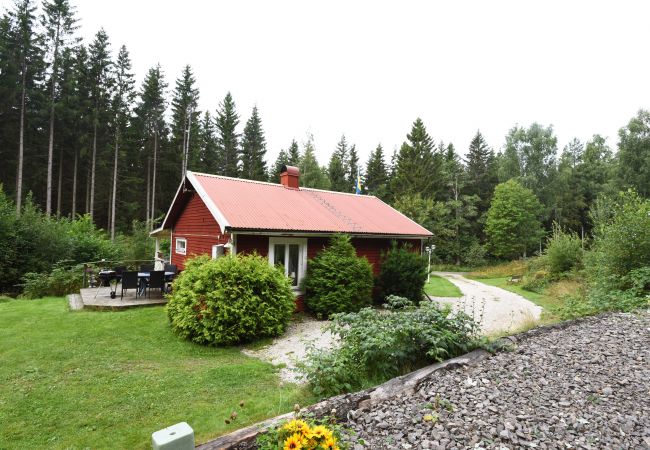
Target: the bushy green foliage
(564, 251)
(475, 255)
(33, 242)
(403, 273)
(378, 345)
(138, 245)
(338, 280)
(63, 279)
(230, 300)
(513, 226)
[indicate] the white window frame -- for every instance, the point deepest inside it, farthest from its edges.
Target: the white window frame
(178, 250)
(215, 251)
(302, 255)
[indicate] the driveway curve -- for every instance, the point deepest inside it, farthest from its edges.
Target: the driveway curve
(496, 309)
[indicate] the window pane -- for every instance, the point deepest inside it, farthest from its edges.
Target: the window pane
(278, 255)
(293, 263)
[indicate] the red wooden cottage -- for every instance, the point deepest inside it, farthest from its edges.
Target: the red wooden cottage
(214, 214)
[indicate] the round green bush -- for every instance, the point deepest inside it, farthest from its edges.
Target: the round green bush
(338, 280)
(403, 273)
(230, 300)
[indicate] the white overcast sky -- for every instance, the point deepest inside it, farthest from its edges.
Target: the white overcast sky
(369, 68)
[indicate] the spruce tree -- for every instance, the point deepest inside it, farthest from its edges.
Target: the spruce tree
(353, 169)
(376, 182)
(101, 78)
(208, 145)
(415, 168)
(227, 137)
(337, 170)
(185, 122)
(311, 174)
(59, 23)
(123, 99)
(481, 172)
(281, 161)
(253, 149)
(293, 153)
(151, 111)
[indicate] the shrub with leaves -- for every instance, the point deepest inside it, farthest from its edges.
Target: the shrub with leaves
(378, 345)
(230, 300)
(338, 280)
(403, 273)
(299, 434)
(63, 279)
(564, 251)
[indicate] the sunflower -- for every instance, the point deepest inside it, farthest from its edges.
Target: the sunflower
(293, 442)
(320, 432)
(330, 444)
(296, 426)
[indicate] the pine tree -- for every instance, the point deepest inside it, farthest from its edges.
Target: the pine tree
(293, 153)
(122, 103)
(59, 24)
(353, 169)
(376, 182)
(253, 149)
(185, 121)
(289, 157)
(416, 170)
(227, 137)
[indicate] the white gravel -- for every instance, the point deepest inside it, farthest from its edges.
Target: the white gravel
(497, 310)
(291, 347)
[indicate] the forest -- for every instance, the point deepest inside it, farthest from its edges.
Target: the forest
(78, 136)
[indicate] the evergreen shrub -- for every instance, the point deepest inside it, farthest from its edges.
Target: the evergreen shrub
(230, 300)
(403, 273)
(338, 280)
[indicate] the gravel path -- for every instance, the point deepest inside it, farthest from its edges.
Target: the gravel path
(291, 347)
(585, 386)
(496, 309)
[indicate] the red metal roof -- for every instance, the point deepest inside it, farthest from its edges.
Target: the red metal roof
(239, 204)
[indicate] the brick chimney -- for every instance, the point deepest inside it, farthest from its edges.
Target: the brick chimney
(289, 177)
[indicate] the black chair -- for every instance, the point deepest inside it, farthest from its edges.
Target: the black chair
(146, 268)
(118, 271)
(156, 281)
(129, 281)
(171, 268)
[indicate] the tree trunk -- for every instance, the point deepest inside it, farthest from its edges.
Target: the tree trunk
(114, 193)
(92, 171)
(21, 142)
(59, 186)
(153, 178)
(146, 218)
(50, 148)
(87, 190)
(74, 185)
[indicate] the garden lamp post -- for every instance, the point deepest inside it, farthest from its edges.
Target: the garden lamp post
(429, 249)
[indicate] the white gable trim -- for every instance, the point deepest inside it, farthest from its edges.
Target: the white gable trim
(216, 213)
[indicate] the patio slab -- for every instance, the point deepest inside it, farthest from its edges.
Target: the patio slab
(100, 299)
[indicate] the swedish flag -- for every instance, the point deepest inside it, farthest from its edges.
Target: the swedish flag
(357, 186)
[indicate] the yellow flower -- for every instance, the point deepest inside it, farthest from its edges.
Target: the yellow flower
(293, 442)
(330, 444)
(296, 425)
(320, 432)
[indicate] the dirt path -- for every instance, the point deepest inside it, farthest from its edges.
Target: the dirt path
(497, 310)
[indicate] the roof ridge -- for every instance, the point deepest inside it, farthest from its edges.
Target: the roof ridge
(243, 180)
(355, 226)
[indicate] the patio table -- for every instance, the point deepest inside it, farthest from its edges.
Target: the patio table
(144, 276)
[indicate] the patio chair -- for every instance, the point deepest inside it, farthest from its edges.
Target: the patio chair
(146, 268)
(171, 268)
(156, 281)
(119, 270)
(129, 281)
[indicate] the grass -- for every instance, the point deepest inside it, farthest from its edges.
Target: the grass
(441, 287)
(109, 379)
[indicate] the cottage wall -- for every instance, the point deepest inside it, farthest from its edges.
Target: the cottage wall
(199, 228)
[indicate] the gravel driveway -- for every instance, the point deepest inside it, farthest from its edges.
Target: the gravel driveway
(497, 310)
(585, 386)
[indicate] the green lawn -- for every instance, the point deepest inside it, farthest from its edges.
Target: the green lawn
(441, 287)
(548, 303)
(109, 379)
